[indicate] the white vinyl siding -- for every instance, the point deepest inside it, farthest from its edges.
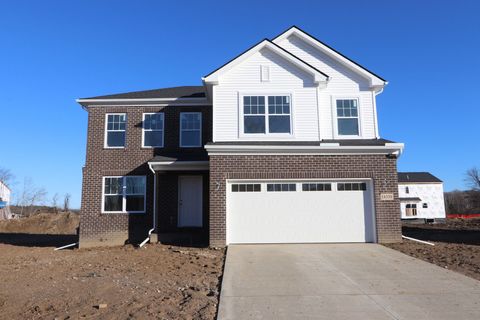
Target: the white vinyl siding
(245, 79)
(342, 82)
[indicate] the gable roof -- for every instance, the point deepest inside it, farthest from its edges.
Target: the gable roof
(423, 177)
(375, 79)
(172, 92)
(318, 75)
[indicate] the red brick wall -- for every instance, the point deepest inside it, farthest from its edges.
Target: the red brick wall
(113, 229)
(382, 170)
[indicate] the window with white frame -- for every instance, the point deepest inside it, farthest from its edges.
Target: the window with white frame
(411, 209)
(115, 130)
(347, 117)
(276, 119)
(190, 129)
(153, 129)
(124, 194)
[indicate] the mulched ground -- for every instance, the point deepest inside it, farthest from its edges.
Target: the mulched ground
(457, 244)
(154, 282)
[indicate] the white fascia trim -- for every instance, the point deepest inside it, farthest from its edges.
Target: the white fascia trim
(389, 148)
(149, 102)
(179, 165)
(375, 82)
(214, 78)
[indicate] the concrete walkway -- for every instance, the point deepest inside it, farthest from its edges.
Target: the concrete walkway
(341, 281)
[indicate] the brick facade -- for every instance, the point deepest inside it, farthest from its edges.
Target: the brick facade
(380, 168)
(98, 228)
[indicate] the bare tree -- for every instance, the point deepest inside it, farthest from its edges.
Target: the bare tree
(6, 176)
(66, 202)
(473, 178)
(456, 202)
(30, 196)
(55, 202)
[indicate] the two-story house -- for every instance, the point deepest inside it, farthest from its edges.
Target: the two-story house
(421, 196)
(279, 145)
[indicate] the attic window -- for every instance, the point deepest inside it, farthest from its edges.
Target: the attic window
(264, 73)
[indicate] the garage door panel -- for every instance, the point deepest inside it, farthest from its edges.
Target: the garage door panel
(299, 216)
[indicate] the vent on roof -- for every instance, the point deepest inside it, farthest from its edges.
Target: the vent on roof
(264, 73)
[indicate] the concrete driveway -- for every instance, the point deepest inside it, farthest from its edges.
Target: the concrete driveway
(341, 281)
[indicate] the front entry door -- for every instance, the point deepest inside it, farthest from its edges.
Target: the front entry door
(190, 197)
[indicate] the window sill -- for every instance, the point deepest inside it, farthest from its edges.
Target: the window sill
(265, 136)
(121, 212)
(347, 137)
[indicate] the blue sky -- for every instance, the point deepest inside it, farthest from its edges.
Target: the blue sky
(56, 51)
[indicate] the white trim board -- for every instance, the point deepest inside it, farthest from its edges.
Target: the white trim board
(389, 148)
(375, 81)
(215, 77)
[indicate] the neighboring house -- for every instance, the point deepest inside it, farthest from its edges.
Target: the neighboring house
(279, 145)
(421, 196)
(5, 194)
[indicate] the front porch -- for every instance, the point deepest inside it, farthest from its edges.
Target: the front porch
(181, 202)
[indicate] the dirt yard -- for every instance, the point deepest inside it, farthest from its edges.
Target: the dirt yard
(457, 245)
(156, 281)
(43, 223)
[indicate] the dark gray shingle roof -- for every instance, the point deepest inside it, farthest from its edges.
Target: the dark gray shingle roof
(173, 92)
(417, 177)
(179, 156)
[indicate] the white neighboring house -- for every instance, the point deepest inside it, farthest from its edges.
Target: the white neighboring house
(421, 196)
(5, 194)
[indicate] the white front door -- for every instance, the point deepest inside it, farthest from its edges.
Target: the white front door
(190, 204)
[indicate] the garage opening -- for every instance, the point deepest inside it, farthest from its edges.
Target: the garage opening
(313, 211)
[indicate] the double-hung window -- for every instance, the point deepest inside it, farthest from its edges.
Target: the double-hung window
(347, 117)
(190, 129)
(115, 130)
(124, 194)
(153, 130)
(267, 114)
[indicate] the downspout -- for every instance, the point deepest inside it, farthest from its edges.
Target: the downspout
(154, 207)
(374, 96)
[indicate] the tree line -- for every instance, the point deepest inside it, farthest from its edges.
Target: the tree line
(465, 202)
(29, 196)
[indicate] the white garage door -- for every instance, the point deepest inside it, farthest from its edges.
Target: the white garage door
(299, 211)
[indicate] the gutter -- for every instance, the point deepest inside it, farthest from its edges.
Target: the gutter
(326, 148)
(129, 102)
(154, 207)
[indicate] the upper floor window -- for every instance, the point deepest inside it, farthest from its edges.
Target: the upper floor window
(124, 194)
(153, 129)
(347, 117)
(272, 120)
(407, 190)
(115, 130)
(190, 129)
